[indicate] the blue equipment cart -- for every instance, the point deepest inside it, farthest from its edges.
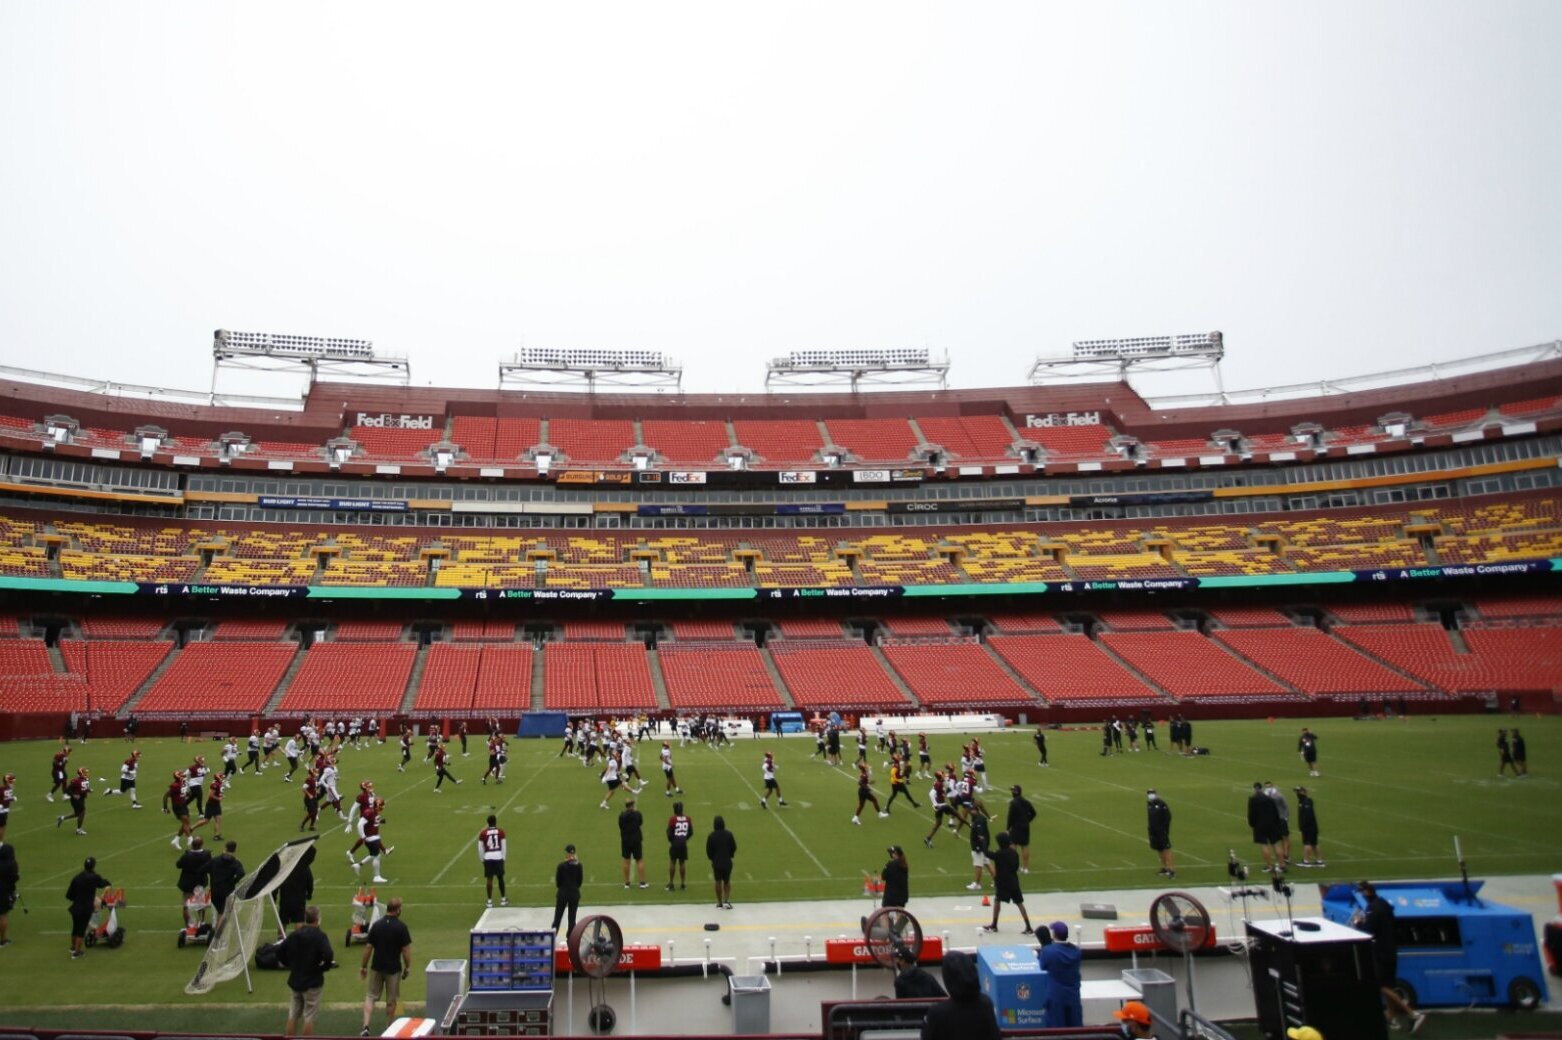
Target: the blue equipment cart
(1455, 949)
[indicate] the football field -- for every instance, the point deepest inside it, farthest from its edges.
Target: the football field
(1391, 798)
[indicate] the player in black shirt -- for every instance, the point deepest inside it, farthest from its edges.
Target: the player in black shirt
(679, 829)
(387, 961)
(1040, 738)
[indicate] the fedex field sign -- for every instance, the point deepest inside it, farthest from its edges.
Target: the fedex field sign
(387, 421)
(1064, 419)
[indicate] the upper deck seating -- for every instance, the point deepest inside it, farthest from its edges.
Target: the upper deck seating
(695, 442)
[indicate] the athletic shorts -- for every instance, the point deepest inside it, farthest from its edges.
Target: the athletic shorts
(78, 805)
(723, 872)
(1160, 842)
(7, 900)
(311, 805)
(79, 919)
(386, 983)
(1010, 895)
(613, 785)
(213, 808)
(678, 853)
(978, 859)
(182, 811)
(1309, 837)
(771, 785)
(493, 868)
(126, 786)
(4, 816)
(631, 850)
(372, 846)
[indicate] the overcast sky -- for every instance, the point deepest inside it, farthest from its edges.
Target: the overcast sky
(1340, 187)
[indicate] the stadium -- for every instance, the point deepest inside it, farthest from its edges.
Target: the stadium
(1375, 560)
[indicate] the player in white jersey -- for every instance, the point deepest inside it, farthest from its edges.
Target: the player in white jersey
(768, 772)
(230, 758)
(610, 777)
(328, 789)
(667, 771)
(292, 751)
(127, 779)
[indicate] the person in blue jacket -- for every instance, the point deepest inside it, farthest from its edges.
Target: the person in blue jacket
(1060, 960)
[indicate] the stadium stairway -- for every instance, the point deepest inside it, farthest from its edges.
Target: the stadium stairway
(414, 679)
(134, 699)
(1260, 669)
(1385, 663)
(56, 659)
(1133, 671)
(1008, 669)
(286, 681)
(653, 661)
(538, 693)
(775, 677)
(894, 677)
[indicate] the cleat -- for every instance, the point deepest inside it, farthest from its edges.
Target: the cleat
(488, 902)
(762, 805)
(1417, 1021)
(645, 884)
(883, 815)
(135, 805)
(389, 849)
(379, 880)
(350, 858)
(669, 886)
(975, 886)
(357, 868)
(990, 928)
(59, 820)
(856, 821)
(928, 842)
(1027, 931)
(504, 901)
(80, 831)
(783, 801)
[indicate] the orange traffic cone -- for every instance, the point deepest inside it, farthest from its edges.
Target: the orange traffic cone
(986, 901)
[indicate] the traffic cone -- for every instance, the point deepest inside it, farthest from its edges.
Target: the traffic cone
(986, 901)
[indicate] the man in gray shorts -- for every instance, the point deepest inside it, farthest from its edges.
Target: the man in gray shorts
(387, 960)
(307, 955)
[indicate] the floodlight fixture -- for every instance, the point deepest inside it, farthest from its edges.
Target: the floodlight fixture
(314, 356)
(586, 367)
(1106, 359)
(285, 345)
(854, 367)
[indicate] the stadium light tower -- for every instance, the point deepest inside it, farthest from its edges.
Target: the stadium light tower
(316, 355)
(587, 367)
(895, 366)
(1098, 359)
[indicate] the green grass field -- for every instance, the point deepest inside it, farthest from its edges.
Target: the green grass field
(1392, 797)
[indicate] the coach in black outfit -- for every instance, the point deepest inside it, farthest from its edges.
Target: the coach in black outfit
(568, 876)
(307, 955)
(1376, 918)
(1264, 817)
(1017, 823)
(897, 879)
(1159, 818)
(295, 893)
(720, 847)
(226, 872)
(82, 894)
(968, 1013)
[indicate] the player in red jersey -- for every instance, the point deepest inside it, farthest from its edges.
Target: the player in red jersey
(492, 848)
(441, 768)
(77, 790)
(7, 799)
(177, 802)
(369, 830)
(212, 812)
(58, 778)
(311, 793)
(865, 794)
